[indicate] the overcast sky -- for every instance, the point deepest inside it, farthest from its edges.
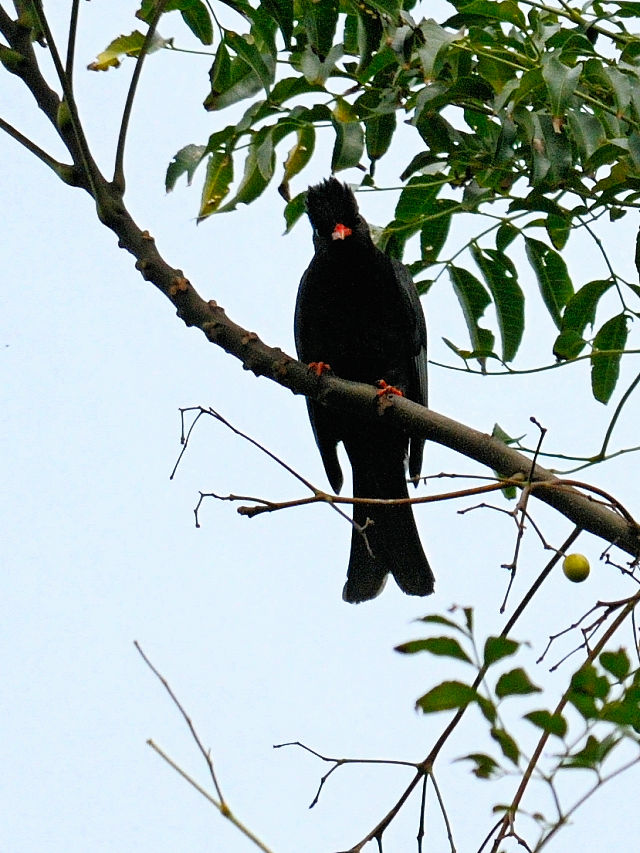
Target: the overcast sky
(243, 617)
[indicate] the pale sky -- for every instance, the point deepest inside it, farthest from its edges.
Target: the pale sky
(243, 617)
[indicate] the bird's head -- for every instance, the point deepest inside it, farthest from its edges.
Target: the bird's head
(333, 212)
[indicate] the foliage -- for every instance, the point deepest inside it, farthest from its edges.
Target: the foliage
(521, 120)
(524, 114)
(595, 724)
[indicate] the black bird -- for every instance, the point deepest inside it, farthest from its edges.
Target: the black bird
(358, 312)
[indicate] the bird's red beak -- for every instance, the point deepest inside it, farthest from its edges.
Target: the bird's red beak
(340, 232)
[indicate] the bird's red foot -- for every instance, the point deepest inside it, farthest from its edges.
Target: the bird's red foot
(388, 389)
(319, 367)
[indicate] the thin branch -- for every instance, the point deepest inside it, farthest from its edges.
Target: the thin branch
(340, 762)
(426, 766)
(423, 811)
(522, 509)
(535, 757)
(580, 802)
(222, 808)
(616, 415)
(82, 157)
(205, 753)
(444, 812)
(47, 159)
(71, 44)
(118, 171)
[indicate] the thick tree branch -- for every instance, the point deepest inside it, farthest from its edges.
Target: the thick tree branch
(360, 399)
(263, 360)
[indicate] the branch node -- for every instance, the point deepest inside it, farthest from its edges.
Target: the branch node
(179, 284)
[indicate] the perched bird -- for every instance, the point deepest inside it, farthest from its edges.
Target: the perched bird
(358, 312)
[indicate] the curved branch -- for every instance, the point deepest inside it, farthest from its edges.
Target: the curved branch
(118, 171)
(414, 419)
(62, 171)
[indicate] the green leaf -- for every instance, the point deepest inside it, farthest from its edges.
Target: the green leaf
(561, 82)
(487, 708)
(473, 299)
(506, 11)
(317, 70)
(292, 87)
(622, 712)
(369, 33)
(587, 687)
(468, 618)
(554, 724)
(568, 345)
(437, 619)
(553, 278)
(194, 13)
(248, 51)
(282, 12)
(379, 130)
(196, 16)
(594, 752)
(507, 744)
(515, 682)
(301, 152)
(258, 170)
(320, 19)
(581, 308)
(216, 184)
(186, 160)
(432, 51)
(389, 8)
(442, 646)
(558, 229)
(505, 235)
(417, 198)
(435, 229)
(617, 663)
(605, 367)
(130, 45)
(587, 132)
(501, 277)
(446, 696)
(349, 144)
(497, 648)
(232, 80)
(294, 210)
(486, 767)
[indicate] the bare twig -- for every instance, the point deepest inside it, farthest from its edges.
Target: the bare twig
(222, 807)
(444, 812)
(580, 802)
(340, 762)
(522, 509)
(608, 608)
(205, 752)
(47, 159)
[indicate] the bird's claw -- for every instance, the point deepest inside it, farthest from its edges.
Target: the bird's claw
(319, 367)
(388, 389)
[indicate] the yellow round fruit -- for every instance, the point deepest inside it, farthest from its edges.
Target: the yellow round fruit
(576, 567)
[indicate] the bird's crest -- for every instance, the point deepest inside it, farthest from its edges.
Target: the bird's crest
(331, 202)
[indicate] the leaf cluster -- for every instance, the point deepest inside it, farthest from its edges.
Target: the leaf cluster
(526, 115)
(604, 694)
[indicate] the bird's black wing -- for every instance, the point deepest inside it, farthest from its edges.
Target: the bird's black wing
(322, 421)
(417, 329)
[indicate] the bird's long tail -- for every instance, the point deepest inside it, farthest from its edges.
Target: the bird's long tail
(391, 542)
